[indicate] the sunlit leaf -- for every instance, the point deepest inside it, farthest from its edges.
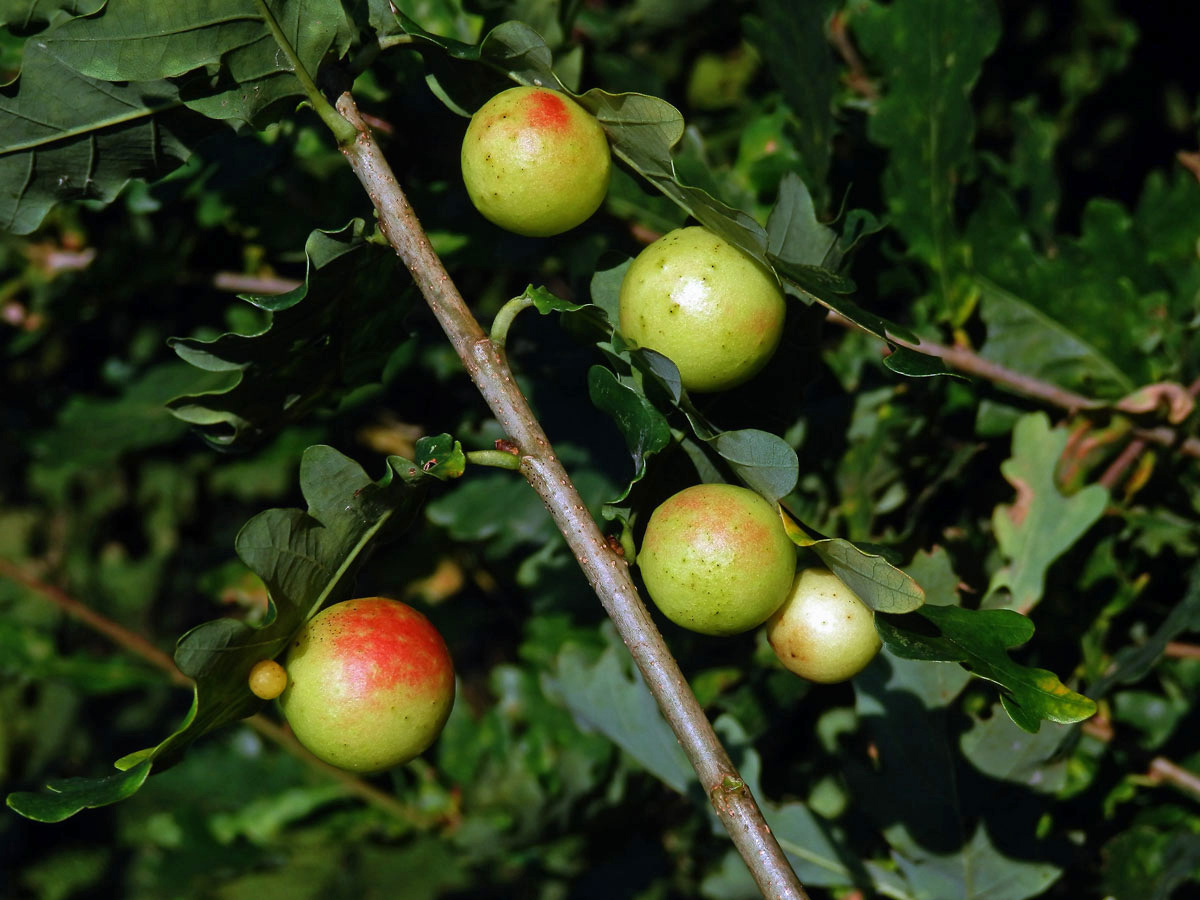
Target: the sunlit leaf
(609, 696)
(440, 456)
(999, 748)
(979, 871)
(1042, 523)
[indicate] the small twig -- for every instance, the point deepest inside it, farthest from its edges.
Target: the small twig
(352, 783)
(1180, 650)
(254, 284)
(1162, 769)
(1126, 458)
(137, 645)
(968, 361)
(1190, 161)
(972, 363)
(606, 572)
(1099, 727)
(118, 634)
(857, 78)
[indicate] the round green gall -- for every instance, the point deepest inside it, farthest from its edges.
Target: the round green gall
(823, 632)
(706, 305)
(715, 559)
(535, 162)
(370, 684)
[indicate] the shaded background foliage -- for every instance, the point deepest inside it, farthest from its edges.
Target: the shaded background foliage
(1043, 220)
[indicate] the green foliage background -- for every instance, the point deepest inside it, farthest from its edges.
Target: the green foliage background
(999, 177)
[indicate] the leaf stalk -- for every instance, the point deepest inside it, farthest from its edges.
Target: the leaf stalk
(504, 319)
(496, 458)
(342, 130)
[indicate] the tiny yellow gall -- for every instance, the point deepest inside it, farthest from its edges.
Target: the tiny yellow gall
(267, 679)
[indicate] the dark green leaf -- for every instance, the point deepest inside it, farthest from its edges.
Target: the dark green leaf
(26, 14)
(934, 572)
(916, 796)
(858, 225)
(334, 333)
(606, 289)
(251, 83)
(547, 302)
(907, 362)
(1154, 716)
(143, 42)
(980, 640)
(29, 655)
(511, 50)
(1101, 298)
(793, 43)
(795, 236)
(930, 53)
(1149, 863)
(1131, 664)
(92, 431)
(91, 112)
(642, 131)
(814, 846)
(765, 462)
(499, 507)
(645, 430)
(661, 369)
(66, 137)
(518, 51)
(306, 560)
(67, 796)
(814, 284)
